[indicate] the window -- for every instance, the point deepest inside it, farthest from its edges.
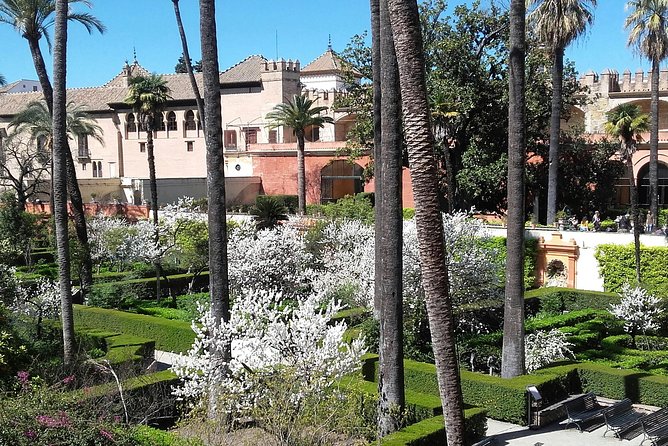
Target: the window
(142, 147)
(190, 120)
(171, 121)
(312, 134)
(190, 146)
(132, 124)
(250, 135)
(273, 136)
(83, 166)
(230, 139)
(99, 169)
(325, 95)
(34, 88)
(83, 146)
(94, 169)
(160, 122)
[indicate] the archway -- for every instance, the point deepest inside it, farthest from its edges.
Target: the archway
(338, 179)
(643, 185)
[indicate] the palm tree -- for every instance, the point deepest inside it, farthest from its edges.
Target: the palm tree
(512, 361)
(36, 120)
(299, 114)
(60, 150)
(188, 62)
(557, 23)
(147, 97)
(627, 122)
(32, 19)
(648, 32)
(2, 80)
(405, 21)
(389, 236)
(218, 277)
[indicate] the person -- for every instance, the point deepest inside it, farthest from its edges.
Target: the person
(584, 224)
(597, 221)
(649, 222)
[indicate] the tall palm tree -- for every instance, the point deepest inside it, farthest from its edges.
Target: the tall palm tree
(627, 122)
(405, 21)
(557, 23)
(2, 80)
(32, 19)
(147, 97)
(648, 33)
(389, 236)
(188, 62)
(512, 361)
(218, 278)
(299, 114)
(60, 149)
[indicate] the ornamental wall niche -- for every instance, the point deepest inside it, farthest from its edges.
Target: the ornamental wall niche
(556, 261)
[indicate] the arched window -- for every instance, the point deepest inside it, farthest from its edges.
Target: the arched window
(132, 124)
(338, 179)
(171, 121)
(190, 120)
(94, 169)
(160, 122)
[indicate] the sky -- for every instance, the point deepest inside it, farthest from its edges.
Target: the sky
(291, 29)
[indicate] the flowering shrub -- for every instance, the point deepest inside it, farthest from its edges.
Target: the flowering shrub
(269, 260)
(638, 309)
(39, 301)
(347, 262)
(271, 342)
(8, 284)
(545, 347)
(119, 242)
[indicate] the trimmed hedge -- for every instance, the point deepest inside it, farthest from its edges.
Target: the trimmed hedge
(498, 243)
(145, 288)
(559, 300)
(431, 431)
(617, 266)
(149, 436)
(504, 399)
(565, 320)
(169, 335)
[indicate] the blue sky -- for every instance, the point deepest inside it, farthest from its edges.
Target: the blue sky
(251, 27)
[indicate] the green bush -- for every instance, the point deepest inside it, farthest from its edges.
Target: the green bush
(432, 431)
(408, 213)
(169, 335)
(122, 294)
(530, 253)
(617, 266)
(653, 390)
(565, 320)
(149, 436)
(555, 300)
(290, 202)
(358, 207)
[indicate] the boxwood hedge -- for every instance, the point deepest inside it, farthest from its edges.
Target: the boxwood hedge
(617, 266)
(169, 335)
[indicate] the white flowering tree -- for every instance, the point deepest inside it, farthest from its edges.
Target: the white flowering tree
(346, 263)
(268, 260)
(545, 347)
(120, 242)
(8, 284)
(279, 353)
(39, 301)
(638, 309)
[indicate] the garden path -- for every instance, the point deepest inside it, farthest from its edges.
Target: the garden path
(552, 435)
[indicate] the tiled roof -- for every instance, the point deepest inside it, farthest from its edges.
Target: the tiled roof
(327, 62)
(248, 70)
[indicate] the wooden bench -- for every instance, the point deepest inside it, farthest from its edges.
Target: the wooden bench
(655, 427)
(581, 410)
(619, 417)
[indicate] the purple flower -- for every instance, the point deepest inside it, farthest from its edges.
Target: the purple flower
(62, 420)
(23, 377)
(106, 434)
(68, 379)
(30, 434)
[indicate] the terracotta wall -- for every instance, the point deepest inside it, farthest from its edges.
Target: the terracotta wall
(129, 211)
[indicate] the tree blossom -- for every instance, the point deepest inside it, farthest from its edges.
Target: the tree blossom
(118, 241)
(268, 339)
(41, 300)
(347, 262)
(545, 347)
(638, 309)
(268, 260)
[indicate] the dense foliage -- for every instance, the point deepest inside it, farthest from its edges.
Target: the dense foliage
(617, 267)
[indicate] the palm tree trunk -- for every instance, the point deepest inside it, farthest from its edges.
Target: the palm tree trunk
(512, 362)
(301, 172)
(60, 178)
(654, 142)
(405, 22)
(555, 125)
(634, 216)
(390, 238)
(153, 184)
(217, 218)
(377, 167)
(72, 183)
(189, 65)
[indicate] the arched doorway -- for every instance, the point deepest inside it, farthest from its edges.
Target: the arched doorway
(643, 185)
(338, 179)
